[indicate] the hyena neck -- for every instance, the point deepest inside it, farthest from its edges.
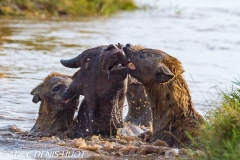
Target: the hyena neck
(170, 102)
(53, 121)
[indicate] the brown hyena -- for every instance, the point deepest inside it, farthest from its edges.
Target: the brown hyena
(55, 116)
(168, 93)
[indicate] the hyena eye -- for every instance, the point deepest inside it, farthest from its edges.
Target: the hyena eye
(142, 56)
(55, 89)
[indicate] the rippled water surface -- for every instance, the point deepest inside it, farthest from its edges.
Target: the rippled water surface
(203, 35)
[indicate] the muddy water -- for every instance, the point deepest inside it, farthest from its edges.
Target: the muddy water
(204, 36)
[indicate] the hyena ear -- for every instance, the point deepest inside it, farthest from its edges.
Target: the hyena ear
(36, 93)
(75, 75)
(163, 74)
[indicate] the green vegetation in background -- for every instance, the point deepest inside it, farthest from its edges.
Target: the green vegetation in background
(220, 137)
(73, 8)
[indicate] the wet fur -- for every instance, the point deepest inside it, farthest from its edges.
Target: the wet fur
(101, 110)
(139, 109)
(52, 121)
(171, 104)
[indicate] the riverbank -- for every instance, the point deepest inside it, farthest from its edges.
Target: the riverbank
(219, 138)
(59, 8)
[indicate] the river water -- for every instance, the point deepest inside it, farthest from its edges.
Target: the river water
(203, 35)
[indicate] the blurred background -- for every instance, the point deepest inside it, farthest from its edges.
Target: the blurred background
(35, 34)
